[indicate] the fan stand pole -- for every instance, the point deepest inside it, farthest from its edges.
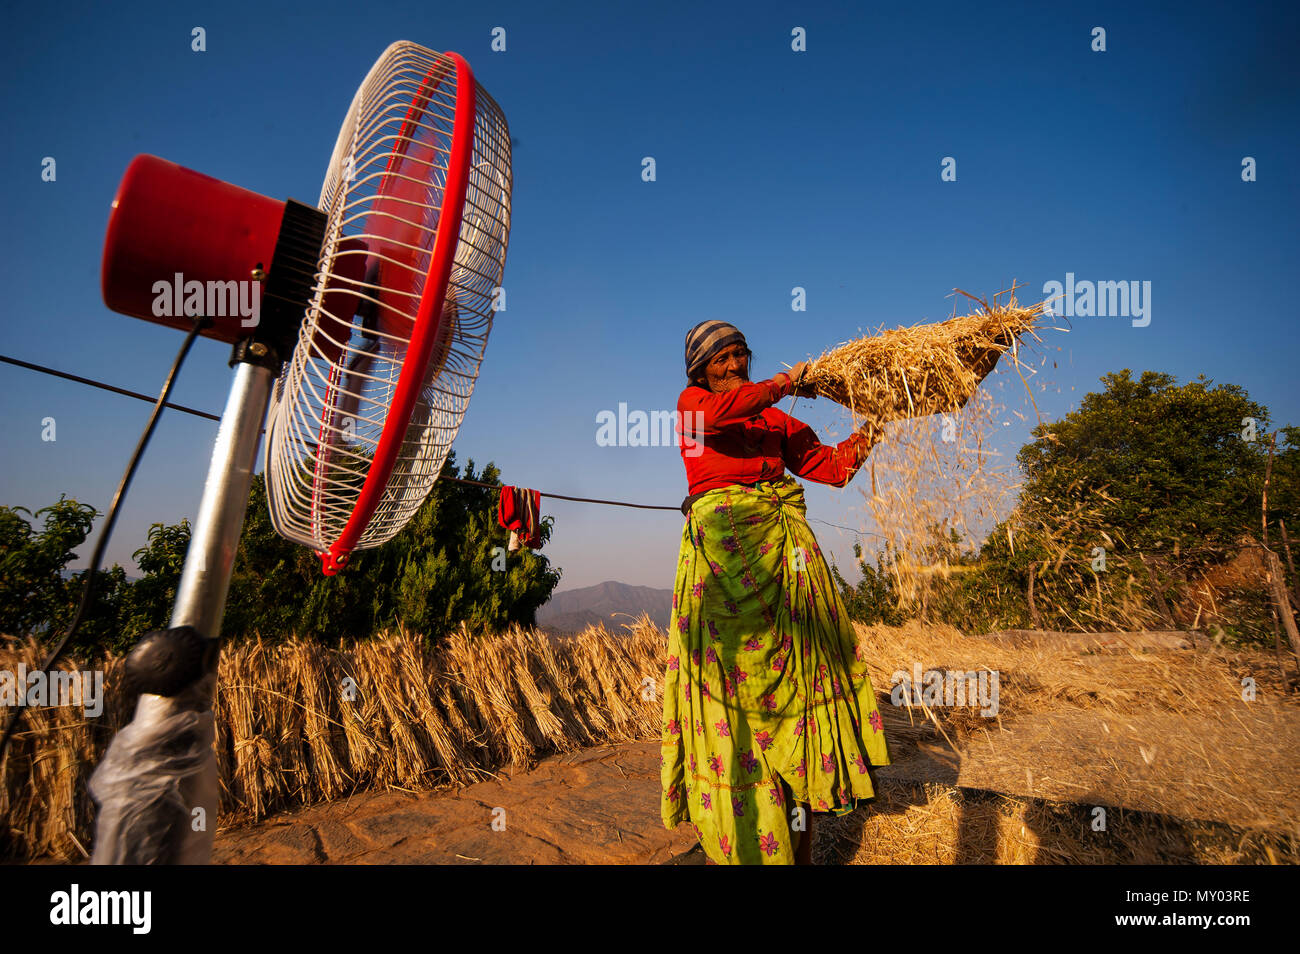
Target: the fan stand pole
(157, 784)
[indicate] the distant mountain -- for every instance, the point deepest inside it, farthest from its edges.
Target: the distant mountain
(574, 610)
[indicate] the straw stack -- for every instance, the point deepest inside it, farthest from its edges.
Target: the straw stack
(299, 722)
(922, 370)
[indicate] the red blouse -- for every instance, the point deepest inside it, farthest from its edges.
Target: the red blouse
(746, 440)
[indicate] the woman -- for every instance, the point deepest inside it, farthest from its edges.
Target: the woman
(769, 714)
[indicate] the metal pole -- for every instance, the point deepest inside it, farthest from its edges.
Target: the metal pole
(157, 784)
(205, 580)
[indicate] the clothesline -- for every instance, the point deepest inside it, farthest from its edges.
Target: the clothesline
(545, 493)
(106, 387)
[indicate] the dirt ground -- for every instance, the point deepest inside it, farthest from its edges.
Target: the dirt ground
(595, 806)
(1026, 791)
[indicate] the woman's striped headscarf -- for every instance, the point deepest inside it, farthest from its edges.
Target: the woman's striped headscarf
(705, 340)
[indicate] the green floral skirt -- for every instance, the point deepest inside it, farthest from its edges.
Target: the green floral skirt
(766, 694)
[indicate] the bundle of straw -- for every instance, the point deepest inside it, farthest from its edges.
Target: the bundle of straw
(922, 370)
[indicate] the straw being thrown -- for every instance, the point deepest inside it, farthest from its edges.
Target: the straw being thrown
(922, 370)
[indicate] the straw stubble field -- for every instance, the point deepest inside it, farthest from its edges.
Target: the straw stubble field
(1159, 745)
(300, 723)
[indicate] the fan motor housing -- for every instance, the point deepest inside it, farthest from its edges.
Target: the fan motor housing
(180, 244)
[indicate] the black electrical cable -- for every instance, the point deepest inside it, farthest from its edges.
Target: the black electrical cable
(106, 531)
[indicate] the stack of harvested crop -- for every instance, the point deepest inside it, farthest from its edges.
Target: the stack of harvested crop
(922, 370)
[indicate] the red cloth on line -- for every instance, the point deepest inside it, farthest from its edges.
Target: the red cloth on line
(746, 440)
(520, 510)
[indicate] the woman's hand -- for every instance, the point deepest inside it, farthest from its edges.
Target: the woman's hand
(796, 375)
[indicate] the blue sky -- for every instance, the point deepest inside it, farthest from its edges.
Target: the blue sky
(775, 169)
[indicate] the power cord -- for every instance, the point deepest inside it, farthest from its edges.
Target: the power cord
(106, 531)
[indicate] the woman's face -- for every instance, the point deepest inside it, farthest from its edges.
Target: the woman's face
(728, 370)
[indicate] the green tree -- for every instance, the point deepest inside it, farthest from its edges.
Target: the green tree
(1144, 467)
(447, 565)
(101, 627)
(435, 573)
(38, 595)
(152, 597)
(875, 598)
(33, 589)
(445, 571)
(1284, 487)
(1153, 461)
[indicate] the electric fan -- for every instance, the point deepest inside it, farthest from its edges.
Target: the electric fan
(375, 309)
(365, 414)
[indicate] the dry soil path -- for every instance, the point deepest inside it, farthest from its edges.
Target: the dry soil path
(594, 806)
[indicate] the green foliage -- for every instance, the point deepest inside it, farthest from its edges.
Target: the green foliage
(152, 596)
(34, 594)
(1156, 463)
(1144, 467)
(874, 599)
(1284, 486)
(37, 594)
(102, 626)
(435, 574)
